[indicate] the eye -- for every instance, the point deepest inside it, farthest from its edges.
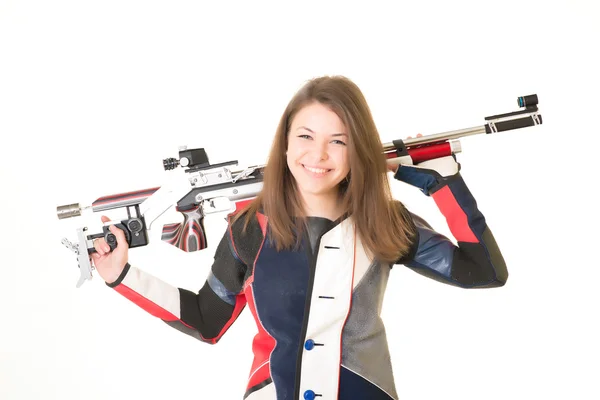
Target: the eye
(339, 142)
(305, 136)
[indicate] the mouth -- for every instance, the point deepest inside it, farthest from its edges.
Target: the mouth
(317, 171)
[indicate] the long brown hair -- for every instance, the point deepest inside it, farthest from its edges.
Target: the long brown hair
(383, 224)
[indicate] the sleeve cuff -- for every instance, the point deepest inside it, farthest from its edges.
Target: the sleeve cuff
(120, 278)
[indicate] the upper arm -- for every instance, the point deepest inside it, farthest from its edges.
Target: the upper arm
(219, 302)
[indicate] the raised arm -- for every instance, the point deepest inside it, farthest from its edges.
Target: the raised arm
(205, 315)
(477, 261)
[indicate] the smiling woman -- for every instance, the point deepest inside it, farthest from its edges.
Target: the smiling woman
(311, 255)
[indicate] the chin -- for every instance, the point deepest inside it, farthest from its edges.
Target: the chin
(321, 190)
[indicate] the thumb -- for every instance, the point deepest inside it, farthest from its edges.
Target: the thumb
(120, 235)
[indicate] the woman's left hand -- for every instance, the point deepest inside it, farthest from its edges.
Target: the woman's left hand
(394, 167)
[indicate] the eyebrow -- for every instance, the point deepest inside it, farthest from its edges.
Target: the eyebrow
(311, 131)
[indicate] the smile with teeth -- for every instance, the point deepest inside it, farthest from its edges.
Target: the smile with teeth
(316, 170)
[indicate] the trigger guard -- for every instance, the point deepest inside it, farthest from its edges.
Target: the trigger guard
(217, 205)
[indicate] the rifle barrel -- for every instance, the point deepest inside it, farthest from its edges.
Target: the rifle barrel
(437, 137)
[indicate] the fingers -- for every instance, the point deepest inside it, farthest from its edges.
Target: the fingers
(100, 244)
(101, 247)
(120, 235)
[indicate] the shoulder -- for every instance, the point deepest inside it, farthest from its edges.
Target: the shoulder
(411, 223)
(246, 234)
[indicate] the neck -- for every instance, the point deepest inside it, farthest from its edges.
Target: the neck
(324, 206)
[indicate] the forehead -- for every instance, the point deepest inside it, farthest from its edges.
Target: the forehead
(318, 118)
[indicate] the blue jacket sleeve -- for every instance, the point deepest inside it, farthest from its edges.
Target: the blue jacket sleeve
(477, 261)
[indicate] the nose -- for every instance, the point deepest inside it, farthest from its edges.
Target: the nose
(319, 152)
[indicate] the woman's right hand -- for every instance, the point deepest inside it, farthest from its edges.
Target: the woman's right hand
(110, 264)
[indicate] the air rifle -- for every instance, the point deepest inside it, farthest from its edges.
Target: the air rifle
(199, 188)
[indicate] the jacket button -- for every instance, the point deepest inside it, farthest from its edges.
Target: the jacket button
(309, 395)
(309, 344)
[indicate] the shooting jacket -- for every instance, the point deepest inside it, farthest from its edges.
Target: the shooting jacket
(317, 309)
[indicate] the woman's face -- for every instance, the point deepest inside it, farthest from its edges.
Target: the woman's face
(317, 153)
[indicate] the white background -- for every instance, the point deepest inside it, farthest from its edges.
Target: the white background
(94, 95)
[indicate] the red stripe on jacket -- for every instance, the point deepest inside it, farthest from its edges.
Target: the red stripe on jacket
(262, 346)
(146, 304)
(455, 215)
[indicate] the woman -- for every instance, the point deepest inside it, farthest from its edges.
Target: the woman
(312, 254)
